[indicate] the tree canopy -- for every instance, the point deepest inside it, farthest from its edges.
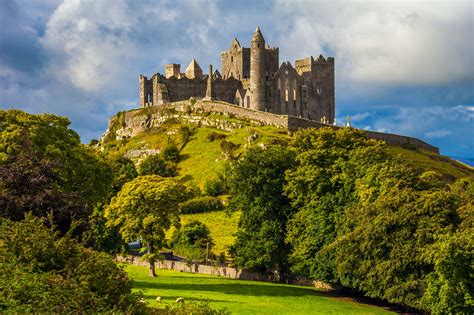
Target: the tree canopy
(144, 209)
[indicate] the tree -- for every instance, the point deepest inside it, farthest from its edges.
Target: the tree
(43, 272)
(44, 168)
(170, 153)
(144, 209)
(193, 239)
(319, 188)
(257, 181)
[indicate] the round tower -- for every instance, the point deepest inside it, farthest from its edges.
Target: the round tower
(257, 71)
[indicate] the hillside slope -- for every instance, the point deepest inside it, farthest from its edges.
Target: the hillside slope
(203, 157)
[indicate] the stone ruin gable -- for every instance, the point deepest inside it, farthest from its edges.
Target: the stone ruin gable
(235, 62)
(272, 61)
(285, 92)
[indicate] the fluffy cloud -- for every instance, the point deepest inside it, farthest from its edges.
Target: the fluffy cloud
(381, 42)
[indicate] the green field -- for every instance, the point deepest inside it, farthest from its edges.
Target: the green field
(239, 296)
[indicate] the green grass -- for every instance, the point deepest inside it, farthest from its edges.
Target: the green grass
(240, 296)
(222, 227)
(424, 161)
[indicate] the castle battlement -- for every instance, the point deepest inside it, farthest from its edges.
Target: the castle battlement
(253, 78)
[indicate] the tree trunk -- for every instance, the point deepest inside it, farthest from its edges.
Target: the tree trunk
(151, 261)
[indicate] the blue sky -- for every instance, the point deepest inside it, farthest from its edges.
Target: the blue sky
(401, 67)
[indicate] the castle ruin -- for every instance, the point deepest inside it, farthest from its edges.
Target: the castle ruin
(251, 78)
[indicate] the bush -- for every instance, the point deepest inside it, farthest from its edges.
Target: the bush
(215, 136)
(201, 204)
(41, 272)
(157, 165)
(228, 148)
(170, 153)
(192, 308)
(214, 187)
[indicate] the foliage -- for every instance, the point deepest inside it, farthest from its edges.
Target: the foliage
(192, 308)
(194, 233)
(157, 165)
(170, 153)
(215, 136)
(201, 204)
(42, 272)
(369, 222)
(214, 187)
(257, 182)
(44, 168)
(144, 209)
(228, 148)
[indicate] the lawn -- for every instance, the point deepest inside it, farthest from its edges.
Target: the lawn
(222, 227)
(240, 296)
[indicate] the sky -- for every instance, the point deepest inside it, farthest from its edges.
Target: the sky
(404, 67)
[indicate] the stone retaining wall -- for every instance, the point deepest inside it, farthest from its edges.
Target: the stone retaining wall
(226, 272)
(139, 120)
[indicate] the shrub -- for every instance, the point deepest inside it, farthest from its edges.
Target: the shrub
(214, 187)
(201, 204)
(42, 272)
(215, 136)
(156, 165)
(192, 308)
(170, 153)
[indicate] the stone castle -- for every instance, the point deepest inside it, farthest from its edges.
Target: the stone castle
(251, 78)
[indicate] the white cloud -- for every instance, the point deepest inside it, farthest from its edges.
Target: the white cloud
(381, 42)
(440, 133)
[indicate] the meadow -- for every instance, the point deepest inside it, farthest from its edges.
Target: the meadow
(240, 296)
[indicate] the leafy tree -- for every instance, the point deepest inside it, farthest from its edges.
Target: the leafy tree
(157, 165)
(319, 189)
(257, 182)
(193, 240)
(80, 170)
(44, 169)
(144, 209)
(99, 235)
(42, 272)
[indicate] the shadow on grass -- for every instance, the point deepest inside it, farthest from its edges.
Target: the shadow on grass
(230, 288)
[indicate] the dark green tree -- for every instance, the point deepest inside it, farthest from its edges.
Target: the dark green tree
(257, 181)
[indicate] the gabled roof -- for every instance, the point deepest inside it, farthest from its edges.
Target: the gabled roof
(235, 44)
(217, 75)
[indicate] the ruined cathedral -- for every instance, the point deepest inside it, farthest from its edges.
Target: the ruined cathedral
(251, 78)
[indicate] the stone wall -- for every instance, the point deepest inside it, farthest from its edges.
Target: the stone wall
(135, 121)
(223, 271)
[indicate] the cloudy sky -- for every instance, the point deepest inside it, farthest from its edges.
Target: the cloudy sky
(403, 67)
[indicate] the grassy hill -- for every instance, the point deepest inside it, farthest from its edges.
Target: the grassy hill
(203, 159)
(240, 296)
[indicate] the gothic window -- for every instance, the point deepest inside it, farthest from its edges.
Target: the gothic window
(286, 96)
(318, 90)
(294, 97)
(231, 58)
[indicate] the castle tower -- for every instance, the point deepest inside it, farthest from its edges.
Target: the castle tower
(257, 71)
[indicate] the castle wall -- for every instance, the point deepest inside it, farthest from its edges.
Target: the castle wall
(225, 90)
(183, 89)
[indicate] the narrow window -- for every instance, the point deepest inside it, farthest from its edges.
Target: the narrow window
(318, 91)
(286, 96)
(294, 97)
(231, 58)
